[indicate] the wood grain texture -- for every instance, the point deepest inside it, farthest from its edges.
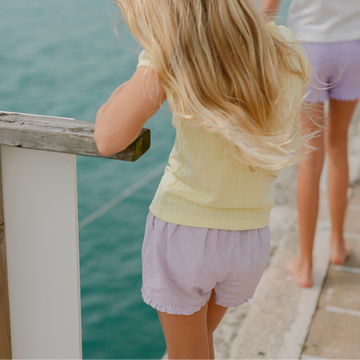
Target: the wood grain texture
(61, 135)
(5, 335)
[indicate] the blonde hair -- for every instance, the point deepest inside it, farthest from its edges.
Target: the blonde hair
(227, 71)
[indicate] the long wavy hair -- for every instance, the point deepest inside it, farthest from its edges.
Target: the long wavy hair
(228, 72)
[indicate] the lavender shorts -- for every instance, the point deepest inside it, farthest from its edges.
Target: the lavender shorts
(335, 71)
(183, 264)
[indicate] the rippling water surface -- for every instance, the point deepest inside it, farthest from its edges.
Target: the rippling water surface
(62, 58)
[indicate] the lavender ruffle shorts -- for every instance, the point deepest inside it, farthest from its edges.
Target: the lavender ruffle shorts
(183, 264)
(335, 71)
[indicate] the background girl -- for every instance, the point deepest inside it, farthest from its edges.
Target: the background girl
(331, 34)
(234, 85)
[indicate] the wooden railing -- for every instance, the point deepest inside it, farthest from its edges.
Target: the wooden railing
(61, 135)
(52, 134)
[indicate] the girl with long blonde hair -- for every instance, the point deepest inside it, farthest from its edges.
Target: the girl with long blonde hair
(234, 85)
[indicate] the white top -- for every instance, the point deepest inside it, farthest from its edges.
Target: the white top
(325, 20)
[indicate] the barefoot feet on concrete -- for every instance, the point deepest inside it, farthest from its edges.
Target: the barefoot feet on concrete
(339, 252)
(300, 271)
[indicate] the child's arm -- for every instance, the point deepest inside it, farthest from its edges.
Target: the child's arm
(120, 120)
(270, 8)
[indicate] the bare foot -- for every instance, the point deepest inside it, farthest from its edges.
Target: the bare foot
(339, 254)
(300, 272)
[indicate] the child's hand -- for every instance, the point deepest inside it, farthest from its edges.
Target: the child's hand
(120, 120)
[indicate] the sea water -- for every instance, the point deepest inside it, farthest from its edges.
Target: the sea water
(62, 58)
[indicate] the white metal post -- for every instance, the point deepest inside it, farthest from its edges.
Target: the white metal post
(40, 211)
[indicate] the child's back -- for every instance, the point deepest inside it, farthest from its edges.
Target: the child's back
(205, 185)
(234, 85)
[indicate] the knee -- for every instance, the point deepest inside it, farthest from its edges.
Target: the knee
(336, 142)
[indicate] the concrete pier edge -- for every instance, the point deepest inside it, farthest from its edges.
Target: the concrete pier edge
(277, 323)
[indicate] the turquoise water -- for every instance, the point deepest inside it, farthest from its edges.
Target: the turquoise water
(62, 58)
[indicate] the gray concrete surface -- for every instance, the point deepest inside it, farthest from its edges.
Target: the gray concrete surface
(335, 329)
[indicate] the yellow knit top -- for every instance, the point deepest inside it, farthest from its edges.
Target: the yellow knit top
(204, 185)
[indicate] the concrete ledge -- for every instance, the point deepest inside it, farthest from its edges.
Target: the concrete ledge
(277, 323)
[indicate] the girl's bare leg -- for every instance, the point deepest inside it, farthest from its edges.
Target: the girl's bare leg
(336, 135)
(191, 336)
(214, 316)
(308, 195)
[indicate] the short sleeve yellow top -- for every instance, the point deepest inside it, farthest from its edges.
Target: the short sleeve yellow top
(205, 186)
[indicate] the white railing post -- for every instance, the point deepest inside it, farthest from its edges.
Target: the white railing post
(40, 211)
(39, 269)
(5, 333)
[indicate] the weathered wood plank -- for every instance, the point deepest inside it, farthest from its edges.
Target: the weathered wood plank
(61, 135)
(5, 336)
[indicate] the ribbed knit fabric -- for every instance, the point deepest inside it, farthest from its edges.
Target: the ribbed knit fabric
(204, 185)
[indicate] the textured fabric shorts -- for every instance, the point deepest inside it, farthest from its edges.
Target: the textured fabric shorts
(335, 71)
(183, 264)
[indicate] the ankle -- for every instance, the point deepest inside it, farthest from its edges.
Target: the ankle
(304, 262)
(337, 241)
